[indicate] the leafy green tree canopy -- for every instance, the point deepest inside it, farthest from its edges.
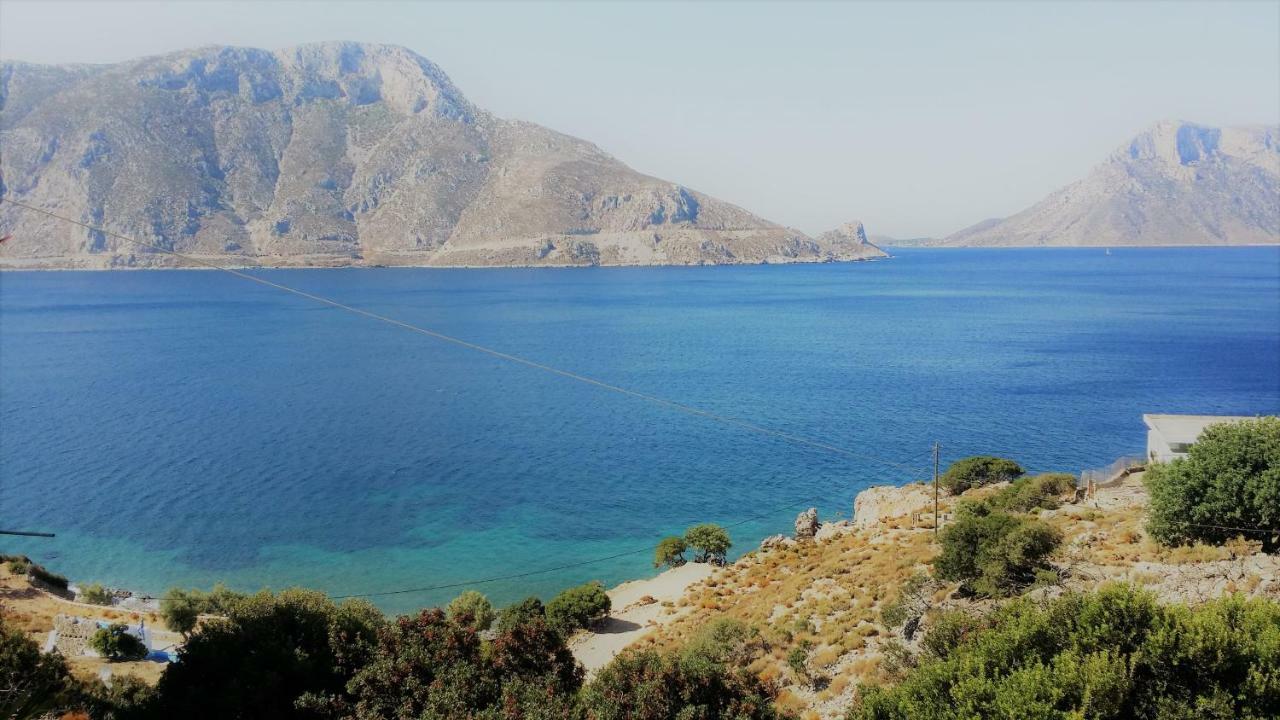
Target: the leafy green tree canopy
(473, 609)
(710, 541)
(1228, 485)
(995, 554)
(972, 472)
(527, 610)
(1111, 655)
(670, 552)
(115, 642)
(578, 607)
(647, 685)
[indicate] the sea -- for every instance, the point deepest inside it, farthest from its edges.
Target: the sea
(188, 427)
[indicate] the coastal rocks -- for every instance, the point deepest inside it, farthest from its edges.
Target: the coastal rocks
(877, 504)
(807, 524)
(776, 541)
(832, 530)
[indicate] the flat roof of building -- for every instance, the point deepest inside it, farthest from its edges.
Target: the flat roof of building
(1186, 428)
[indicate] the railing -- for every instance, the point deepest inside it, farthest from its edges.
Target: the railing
(1098, 477)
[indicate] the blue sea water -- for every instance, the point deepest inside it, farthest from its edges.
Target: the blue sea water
(188, 427)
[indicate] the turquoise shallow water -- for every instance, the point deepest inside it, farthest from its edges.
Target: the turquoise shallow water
(189, 427)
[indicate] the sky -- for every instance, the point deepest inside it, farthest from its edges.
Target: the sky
(917, 118)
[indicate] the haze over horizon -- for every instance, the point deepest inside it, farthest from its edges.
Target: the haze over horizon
(918, 119)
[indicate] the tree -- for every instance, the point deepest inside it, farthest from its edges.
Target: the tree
(527, 610)
(428, 666)
(31, 682)
(473, 609)
(1229, 484)
(115, 643)
(995, 554)
(647, 685)
(578, 607)
(180, 609)
(1112, 654)
(269, 654)
(710, 540)
(670, 552)
(972, 472)
(1034, 492)
(95, 594)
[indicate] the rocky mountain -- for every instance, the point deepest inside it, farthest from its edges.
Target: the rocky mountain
(333, 154)
(1177, 183)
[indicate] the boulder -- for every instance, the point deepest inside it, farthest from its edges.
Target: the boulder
(807, 524)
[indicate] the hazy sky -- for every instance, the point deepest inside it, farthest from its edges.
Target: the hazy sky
(917, 118)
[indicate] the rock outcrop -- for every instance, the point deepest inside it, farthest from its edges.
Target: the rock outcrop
(807, 524)
(333, 154)
(877, 504)
(1177, 183)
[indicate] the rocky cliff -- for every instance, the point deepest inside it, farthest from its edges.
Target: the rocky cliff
(1177, 183)
(333, 154)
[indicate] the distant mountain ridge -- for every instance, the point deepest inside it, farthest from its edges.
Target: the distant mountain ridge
(1176, 183)
(334, 154)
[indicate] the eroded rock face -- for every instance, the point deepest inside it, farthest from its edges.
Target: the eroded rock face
(807, 524)
(877, 504)
(1176, 183)
(333, 154)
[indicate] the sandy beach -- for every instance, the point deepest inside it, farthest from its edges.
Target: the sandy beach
(634, 614)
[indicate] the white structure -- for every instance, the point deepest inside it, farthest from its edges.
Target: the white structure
(1169, 436)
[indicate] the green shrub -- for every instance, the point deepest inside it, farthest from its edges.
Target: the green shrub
(1228, 485)
(95, 594)
(710, 540)
(18, 565)
(471, 609)
(50, 579)
(270, 653)
(670, 552)
(115, 643)
(427, 666)
(995, 554)
(647, 685)
(181, 609)
(725, 640)
(972, 472)
(1034, 492)
(578, 607)
(1109, 655)
(31, 682)
(528, 610)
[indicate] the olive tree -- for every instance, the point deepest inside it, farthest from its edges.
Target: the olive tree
(670, 552)
(972, 472)
(1228, 485)
(710, 541)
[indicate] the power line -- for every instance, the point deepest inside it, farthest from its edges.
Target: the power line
(671, 404)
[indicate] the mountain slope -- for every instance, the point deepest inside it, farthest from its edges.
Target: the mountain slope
(332, 154)
(1176, 183)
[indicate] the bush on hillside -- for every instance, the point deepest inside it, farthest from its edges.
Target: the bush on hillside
(710, 541)
(471, 609)
(95, 594)
(528, 610)
(1228, 485)
(116, 643)
(17, 564)
(429, 666)
(31, 682)
(578, 607)
(1034, 492)
(972, 472)
(995, 554)
(181, 609)
(647, 685)
(49, 579)
(1113, 654)
(267, 655)
(670, 552)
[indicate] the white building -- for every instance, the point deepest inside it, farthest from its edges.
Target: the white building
(1169, 436)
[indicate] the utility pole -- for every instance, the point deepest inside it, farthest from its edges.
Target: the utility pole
(935, 489)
